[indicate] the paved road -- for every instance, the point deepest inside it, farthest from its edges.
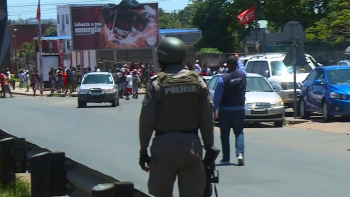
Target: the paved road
(281, 162)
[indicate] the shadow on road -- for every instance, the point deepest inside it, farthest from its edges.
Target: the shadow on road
(254, 125)
(97, 106)
(226, 164)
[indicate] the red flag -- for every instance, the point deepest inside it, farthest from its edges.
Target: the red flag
(247, 16)
(38, 13)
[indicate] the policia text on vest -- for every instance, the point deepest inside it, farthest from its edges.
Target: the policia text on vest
(180, 89)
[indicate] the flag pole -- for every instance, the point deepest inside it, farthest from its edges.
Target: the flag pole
(256, 26)
(40, 52)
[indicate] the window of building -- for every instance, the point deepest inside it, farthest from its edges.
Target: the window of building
(67, 19)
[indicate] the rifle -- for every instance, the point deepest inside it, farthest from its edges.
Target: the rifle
(212, 174)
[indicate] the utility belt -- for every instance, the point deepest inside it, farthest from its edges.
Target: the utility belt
(193, 131)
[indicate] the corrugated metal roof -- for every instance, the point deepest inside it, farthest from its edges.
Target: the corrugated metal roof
(54, 38)
(178, 31)
(161, 32)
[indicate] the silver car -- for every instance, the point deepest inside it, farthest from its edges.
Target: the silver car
(98, 87)
(263, 104)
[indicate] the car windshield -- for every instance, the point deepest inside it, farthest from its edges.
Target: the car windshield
(279, 68)
(98, 79)
(341, 76)
(258, 84)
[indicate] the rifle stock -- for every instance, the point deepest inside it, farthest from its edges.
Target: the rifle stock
(212, 174)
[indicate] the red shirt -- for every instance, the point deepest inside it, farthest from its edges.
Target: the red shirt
(65, 79)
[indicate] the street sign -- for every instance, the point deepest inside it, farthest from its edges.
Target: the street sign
(288, 34)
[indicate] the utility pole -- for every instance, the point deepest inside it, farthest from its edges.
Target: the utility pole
(256, 26)
(14, 34)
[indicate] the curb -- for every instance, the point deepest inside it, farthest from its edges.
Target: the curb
(53, 95)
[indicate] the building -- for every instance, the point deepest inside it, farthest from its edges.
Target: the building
(19, 34)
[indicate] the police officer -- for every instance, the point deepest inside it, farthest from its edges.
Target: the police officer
(176, 105)
(229, 98)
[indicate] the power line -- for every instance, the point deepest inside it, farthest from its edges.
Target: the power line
(23, 8)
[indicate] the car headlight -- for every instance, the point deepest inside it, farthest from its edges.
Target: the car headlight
(109, 90)
(83, 91)
(278, 103)
(335, 95)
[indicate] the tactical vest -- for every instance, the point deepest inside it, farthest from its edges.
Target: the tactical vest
(179, 106)
(234, 89)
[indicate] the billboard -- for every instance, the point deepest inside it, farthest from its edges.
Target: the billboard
(112, 26)
(5, 56)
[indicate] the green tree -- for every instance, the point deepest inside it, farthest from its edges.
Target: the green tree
(51, 31)
(215, 32)
(168, 20)
(335, 27)
(279, 12)
(26, 53)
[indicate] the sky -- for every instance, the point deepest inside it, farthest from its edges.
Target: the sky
(27, 8)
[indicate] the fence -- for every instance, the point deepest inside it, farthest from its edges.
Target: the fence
(54, 174)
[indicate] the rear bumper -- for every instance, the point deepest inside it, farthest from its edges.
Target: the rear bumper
(272, 115)
(288, 96)
(97, 98)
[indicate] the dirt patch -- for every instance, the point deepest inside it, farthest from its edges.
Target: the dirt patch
(338, 125)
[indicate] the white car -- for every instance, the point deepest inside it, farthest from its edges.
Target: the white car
(263, 104)
(279, 75)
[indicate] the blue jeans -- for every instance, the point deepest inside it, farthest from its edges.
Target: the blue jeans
(231, 119)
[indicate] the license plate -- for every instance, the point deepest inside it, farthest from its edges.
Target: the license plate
(95, 93)
(259, 111)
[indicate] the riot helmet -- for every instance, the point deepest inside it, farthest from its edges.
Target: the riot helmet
(171, 50)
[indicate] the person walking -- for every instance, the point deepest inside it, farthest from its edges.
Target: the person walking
(176, 105)
(129, 86)
(5, 86)
(229, 98)
(136, 84)
(21, 79)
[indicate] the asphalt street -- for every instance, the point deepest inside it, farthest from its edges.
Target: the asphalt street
(283, 162)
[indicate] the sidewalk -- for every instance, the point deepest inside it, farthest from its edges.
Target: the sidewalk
(47, 92)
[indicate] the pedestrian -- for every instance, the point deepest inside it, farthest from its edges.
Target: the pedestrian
(13, 81)
(122, 84)
(21, 76)
(37, 84)
(5, 86)
(129, 85)
(176, 105)
(52, 80)
(27, 80)
(229, 98)
(60, 84)
(136, 84)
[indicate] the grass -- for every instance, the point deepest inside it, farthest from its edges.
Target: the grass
(285, 122)
(20, 189)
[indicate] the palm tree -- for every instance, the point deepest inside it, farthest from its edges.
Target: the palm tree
(27, 53)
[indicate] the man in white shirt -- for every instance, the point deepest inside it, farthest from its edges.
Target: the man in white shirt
(129, 86)
(197, 67)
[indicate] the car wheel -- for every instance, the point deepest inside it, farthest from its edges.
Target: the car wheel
(325, 111)
(81, 104)
(278, 124)
(302, 110)
(114, 103)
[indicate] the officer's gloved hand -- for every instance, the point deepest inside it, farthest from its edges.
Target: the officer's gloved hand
(211, 153)
(144, 158)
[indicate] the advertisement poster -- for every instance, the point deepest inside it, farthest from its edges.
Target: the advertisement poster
(48, 63)
(61, 49)
(115, 26)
